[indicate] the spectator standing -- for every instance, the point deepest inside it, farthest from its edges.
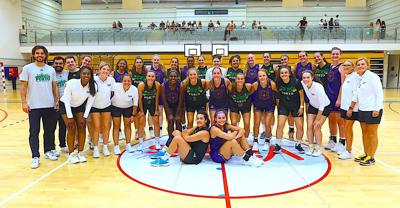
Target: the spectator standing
(331, 24)
(383, 30)
(39, 97)
(211, 26)
(254, 25)
(377, 28)
(336, 23)
(119, 25)
(200, 25)
(218, 24)
(302, 25)
(140, 25)
(243, 25)
(114, 25)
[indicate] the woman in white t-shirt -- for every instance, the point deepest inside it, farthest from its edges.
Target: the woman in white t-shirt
(124, 103)
(318, 111)
(75, 107)
(101, 110)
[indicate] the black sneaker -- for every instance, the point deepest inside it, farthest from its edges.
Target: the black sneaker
(299, 148)
(367, 161)
(277, 148)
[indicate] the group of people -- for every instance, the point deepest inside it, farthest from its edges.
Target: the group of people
(377, 30)
(341, 91)
(330, 24)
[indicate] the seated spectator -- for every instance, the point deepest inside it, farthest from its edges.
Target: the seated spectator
(243, 26)
(114, 25)
(140, 25)
(168, 24)
(194, 25)
(119, 25)
(200, 25)
(211, 25)
(152, 26)
(254, 25)
(218, 24)
(162, 25)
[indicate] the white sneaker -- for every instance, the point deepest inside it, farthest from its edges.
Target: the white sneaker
(340, 148)
(151, 133)
(157, 143)
(310, 150)
(81, 158)
(317, 153)
(49, 155)
(253, 162)
(55, 153)
(73, 158)
(64, 150)
(345, 155)
(265, 146)
(139, 147)
(117, 151)
(255, 146)
(129, 148)
(96, 153)
(330, 145)
(106, 152)
(35, 163)
(121, 135)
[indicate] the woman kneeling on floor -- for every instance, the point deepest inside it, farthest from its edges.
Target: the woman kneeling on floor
(191, 144)
(224, 144)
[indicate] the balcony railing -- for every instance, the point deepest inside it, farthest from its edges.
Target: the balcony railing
(272, 35)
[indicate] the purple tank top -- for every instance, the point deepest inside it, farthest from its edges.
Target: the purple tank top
(184, 72)
(159, 75)
(219, 96)
(118, 77)
(216, 143)
(264, 97)
(252, 74)
(172, 94)
(333, 83)
(300, 68)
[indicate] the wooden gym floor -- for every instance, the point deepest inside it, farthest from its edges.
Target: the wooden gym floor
(99, 183)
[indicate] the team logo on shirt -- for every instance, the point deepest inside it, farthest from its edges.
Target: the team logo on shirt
(61, 83)
(42, 77)
(331, 76)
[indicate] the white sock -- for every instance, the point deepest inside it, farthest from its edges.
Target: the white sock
(279, 142)
(164, 149)
(264, 128)
(272, 141)
(105, 146)
(140, 140)
(166, 156)
(95, 147)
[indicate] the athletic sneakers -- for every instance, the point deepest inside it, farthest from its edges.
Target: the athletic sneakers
(106, 152)
(35, 163)
(117, 151)
(157, 155)
(340, 149)
(317, 152)
(160, 163)
(157, 143)
(254, 162)
(129, 148)
(367, 161)
(345, 155)
(265, 146)
(73, 158)
(277, 149)
(330, 145)
(121, 135)
(81, 158)
(299, 148)
(255, 146)
(360, 158)
(96, 153)
(310, 150)
(263, 136)
(64, 149)
(55, 153)
(49, 155)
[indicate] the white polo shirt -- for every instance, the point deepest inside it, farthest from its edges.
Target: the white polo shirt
(370, 92)
(103, 96)
(125, 99)
(317, 96)
(75, 95)
(40, 85)
(349, 91)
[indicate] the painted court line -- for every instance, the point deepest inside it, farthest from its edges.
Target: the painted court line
(396, 170)
(226, 189)
(14, 151)
(5, 115)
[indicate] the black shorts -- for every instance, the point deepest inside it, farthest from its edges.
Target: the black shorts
(75, 110)
(98, 110)
(193, 108)
(150, 108)
(191, 158)
(366, 117)
(354, 115)
(285, 111)
(314, 111)
(125, 112)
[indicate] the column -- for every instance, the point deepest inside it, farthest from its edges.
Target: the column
(292, 3)
(132, 4)
(356, 3)
(71, 5)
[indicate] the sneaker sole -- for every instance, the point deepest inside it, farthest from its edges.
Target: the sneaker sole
(366, 164)
(160, 165)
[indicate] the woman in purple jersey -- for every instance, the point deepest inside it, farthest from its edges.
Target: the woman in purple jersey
(158, 69)
(219, 93)
(173, 102)
(121, 71)
(251, 69)
(190, 65)
(333, 90)
(264, 103)
(223, 145)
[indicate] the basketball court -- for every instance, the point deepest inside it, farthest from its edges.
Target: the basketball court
(286, 179)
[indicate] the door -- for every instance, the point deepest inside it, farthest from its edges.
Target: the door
(393, 78)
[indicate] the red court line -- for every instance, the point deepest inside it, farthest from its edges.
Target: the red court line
(226, 189)
(291, 154)
(5, 115)
(271, 154)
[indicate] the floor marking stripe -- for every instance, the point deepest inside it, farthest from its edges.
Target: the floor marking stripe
(5, 115)
(33, 183)
(270, 154)
(226, 189)
(291, 154)
(381, 162)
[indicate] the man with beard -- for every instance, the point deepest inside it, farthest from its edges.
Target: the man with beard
(39, 98)
(62, 78)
